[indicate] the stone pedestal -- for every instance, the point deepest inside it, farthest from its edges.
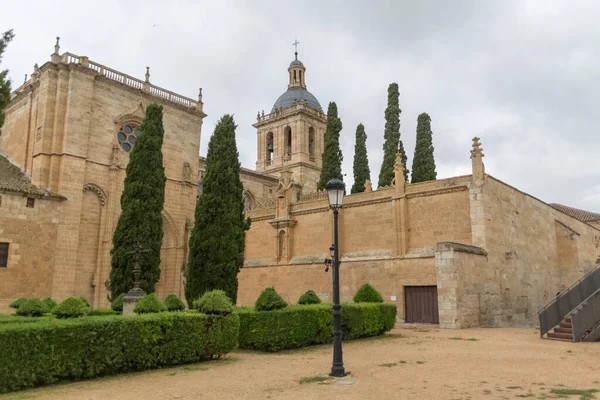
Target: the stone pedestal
(131, 299)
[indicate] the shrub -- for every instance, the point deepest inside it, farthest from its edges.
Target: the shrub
(17, 303)
(117, 303)
(214, 302)
(149, 304)
(16, 319)
(54, 350)
(87, 303)
(173, 303)
(310, 297)
(367, 294)
(269, 300)
(71, 307)
(50, 304)
(288, 328)
(32, 308)
(101, 312)
(304, 325)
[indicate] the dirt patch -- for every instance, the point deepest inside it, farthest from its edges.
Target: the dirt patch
(410, 363)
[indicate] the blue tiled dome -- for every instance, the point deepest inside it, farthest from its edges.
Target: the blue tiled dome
(297, 94)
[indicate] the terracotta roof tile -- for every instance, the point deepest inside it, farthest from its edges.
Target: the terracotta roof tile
(582, 215)
(13, 179)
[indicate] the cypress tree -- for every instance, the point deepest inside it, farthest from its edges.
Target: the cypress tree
(217, 240)
(4, 81)
(423, 167)
(392, 143)
(361, 162)
(332, 154)
(142, 202)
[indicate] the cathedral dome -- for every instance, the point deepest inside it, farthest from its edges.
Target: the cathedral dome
(297, 95)
(296, 62)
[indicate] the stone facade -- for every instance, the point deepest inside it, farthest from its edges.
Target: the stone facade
(62, 128)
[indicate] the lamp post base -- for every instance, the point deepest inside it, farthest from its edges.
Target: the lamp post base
(338, 371)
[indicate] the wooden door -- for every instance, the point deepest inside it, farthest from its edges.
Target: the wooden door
(421, 305)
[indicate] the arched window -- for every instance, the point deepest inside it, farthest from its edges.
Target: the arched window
(294, 76)
(248, 202)
(311, 143)
(300, 76)
(288, 141)
(269, 155)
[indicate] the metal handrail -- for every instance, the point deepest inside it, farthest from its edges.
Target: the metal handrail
(569, 288)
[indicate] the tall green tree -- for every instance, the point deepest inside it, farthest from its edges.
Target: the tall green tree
(392, 143)
(361, 163)
(332, 154)
(4, 81)
(142, 201)
(218, 238)
(423, 167)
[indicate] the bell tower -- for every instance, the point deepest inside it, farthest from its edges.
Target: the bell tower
(291, 136)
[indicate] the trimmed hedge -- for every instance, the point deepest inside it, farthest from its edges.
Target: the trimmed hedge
(367, 294)
(51, 351)
(16, 319)
(32, 308)
(270, 300)
(173, 303)
(310, 297)
(71, 307)
(17, 303)
(149, 304)
(102, 312)
(50, 304)
(214, 302)
(304, 325)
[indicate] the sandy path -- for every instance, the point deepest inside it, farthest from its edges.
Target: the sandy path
(500, 364)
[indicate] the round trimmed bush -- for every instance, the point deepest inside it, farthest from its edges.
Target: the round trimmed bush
(71, 307)
(310, 297)
(367, 294)
(87, 303)
(117, 303)
(101, 312)
(173, 303)
(50, 304)
(269, 300)
(214, 302)
(32, 308)
(18, 303)
(149, 304)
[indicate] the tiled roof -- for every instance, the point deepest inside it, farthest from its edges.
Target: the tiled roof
(13, 179)
(582, 215)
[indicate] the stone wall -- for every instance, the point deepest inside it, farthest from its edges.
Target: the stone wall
(31, 234)
(461, 275)
(534, 251)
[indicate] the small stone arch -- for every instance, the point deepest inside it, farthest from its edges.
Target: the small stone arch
(287, 136)
(249, 200)
(171, 227)
(97, 190)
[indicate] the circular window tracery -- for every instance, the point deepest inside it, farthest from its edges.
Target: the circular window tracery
(127, 136)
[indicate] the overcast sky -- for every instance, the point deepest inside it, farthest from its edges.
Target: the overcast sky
(522, 75)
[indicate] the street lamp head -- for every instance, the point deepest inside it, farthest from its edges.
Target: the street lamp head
(335, 191)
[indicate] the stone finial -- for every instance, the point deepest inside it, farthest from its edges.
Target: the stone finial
(258, 115)
(55, 58)
(25, 81)
(199, 95)
(368, 186)
(148, 74)
(36, 67)
(477, 162)
(57, 45)
(263, 114)
(399, 180)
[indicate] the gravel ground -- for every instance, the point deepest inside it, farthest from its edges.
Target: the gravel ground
(411, 362)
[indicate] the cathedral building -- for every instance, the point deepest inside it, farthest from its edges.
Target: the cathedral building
(459, 252)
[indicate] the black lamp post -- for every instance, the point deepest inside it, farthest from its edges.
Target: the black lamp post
(335, 192)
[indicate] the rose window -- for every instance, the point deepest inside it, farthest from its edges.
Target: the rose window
(127, 136)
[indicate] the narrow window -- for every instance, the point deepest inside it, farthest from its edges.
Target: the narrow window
(311, 143)
(30, 202)
(294, 76)
(269, 154)
(3, 255)
(288, 141)
(300, 76)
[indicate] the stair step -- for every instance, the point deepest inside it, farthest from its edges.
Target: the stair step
(563, 330)
(567, 320)
(566, 336)
(566, 325)
(560, 340)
